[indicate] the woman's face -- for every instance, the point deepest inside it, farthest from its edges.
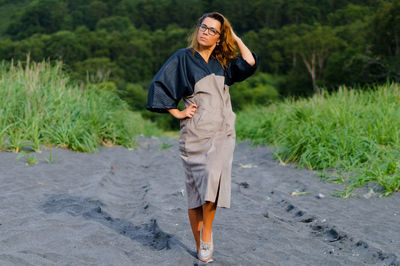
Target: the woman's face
(209, 37)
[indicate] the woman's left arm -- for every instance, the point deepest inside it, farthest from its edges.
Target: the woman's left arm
(245, 52)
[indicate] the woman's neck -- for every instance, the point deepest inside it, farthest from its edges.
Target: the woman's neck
(205, 52)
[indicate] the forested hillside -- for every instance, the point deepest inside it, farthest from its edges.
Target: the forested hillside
(304, 45)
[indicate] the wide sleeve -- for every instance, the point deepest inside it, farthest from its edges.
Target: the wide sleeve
(169, 85)
(238, 70)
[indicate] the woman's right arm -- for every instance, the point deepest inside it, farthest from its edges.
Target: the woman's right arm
(169, 85)
(188, 112)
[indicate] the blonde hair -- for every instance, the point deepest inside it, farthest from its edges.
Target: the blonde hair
(226, 50)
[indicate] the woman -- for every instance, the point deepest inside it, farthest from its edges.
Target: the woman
(201, 76)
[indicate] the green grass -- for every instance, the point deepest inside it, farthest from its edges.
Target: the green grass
(39, 104)
(352, 132)
(29, 158)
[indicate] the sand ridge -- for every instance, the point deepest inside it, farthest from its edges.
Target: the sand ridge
(128, 207)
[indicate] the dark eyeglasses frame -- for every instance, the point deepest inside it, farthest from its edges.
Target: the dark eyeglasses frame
(211, 31)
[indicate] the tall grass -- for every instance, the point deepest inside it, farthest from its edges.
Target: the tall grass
(354, 132)
(40, 105)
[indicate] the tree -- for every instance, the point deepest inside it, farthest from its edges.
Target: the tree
(114, 23)
(314, 48)
(158, 14)
(385, 37)
(41, 16)
(97, 70)
(299, 11)
(385, 29)
(95, 11)
(64, 46)
(34, 45)
(7, 49)
(134, 95)
(266, 14)
(268, 46)
(348, 15)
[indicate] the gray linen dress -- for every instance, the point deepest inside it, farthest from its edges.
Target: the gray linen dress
(207, 140)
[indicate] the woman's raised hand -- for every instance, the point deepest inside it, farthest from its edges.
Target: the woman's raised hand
(244, 51)
(235, 37)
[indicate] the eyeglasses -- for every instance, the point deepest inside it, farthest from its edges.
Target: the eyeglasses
(211, 31)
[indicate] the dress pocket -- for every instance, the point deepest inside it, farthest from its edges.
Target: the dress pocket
(209, 121)
(197, 117)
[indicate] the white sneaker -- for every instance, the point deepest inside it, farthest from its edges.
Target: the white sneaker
(206, 249)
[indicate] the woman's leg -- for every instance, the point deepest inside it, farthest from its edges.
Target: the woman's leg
(199, 217)
(203, 216)
(196, 222)
(209, 209)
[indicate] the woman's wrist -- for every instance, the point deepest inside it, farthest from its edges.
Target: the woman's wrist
(238, 40)
(235, 37)
(176, 113)
(188, 112)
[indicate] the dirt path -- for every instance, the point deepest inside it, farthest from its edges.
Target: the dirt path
(128, 207)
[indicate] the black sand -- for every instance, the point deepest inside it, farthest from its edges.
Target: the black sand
(127, 207)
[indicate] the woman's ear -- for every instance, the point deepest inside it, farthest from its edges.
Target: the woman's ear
(219, 40)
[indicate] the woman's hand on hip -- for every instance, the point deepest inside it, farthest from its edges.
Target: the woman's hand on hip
(190, 110)
(187, 112)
